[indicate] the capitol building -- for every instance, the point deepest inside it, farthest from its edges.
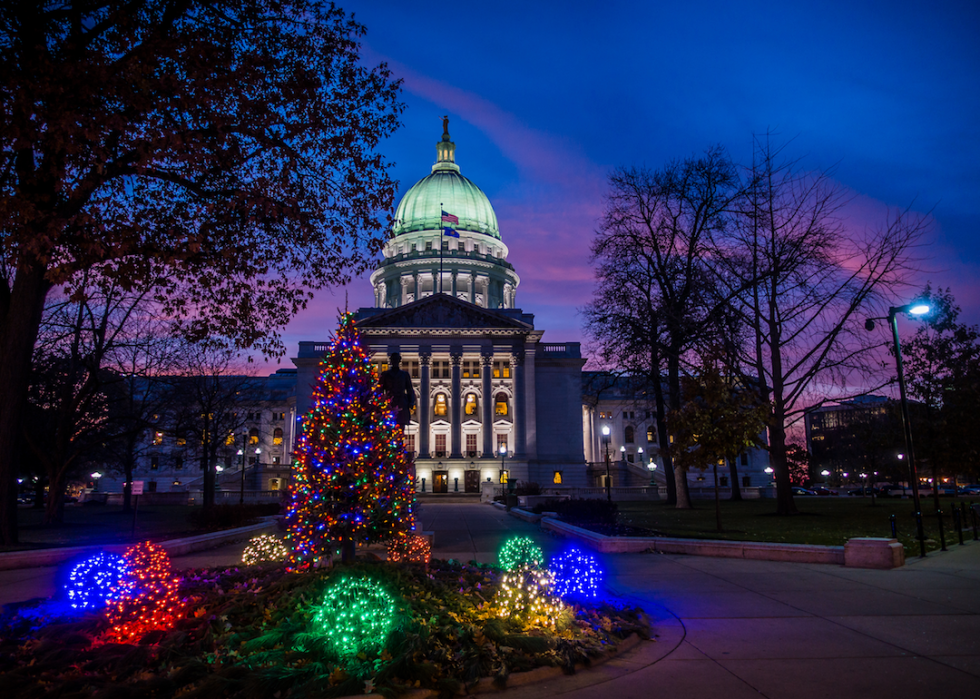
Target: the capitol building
(495, 400)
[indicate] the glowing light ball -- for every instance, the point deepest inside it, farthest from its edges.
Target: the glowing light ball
(356, 615)
(91, 581)
(146, 597)
(577, 575)
(525, 595)
(519, 551)
(264, 548)
(411, 549)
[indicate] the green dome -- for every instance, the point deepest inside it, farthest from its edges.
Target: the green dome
(420, 208)
(445, 190)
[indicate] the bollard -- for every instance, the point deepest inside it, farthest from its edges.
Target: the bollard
(894, 527)
(920, 534)
(942, 534)
(423, 485)
(958, 524)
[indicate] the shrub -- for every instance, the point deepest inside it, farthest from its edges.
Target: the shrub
(582, 511)
(228, 516)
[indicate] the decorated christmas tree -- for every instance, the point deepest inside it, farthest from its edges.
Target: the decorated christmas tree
(352, 482)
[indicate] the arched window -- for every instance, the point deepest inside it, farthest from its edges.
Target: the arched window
(277, 436)
(628, 434)
(501, 405)
(470, 406)
(441, 407)
(557, 479)
(253, 435)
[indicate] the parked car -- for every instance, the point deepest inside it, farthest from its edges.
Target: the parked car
(894, 491)
(820, 490)
(972, 489)
(797, 490)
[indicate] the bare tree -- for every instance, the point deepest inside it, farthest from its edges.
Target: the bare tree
(655, 299)
(813, 281)
(209, 400)
(87, 325)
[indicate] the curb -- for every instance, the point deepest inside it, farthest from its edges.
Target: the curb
(760, 551)
(39, 558)
(485, 685)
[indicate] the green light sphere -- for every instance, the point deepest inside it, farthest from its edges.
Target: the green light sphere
(519, 551)
(356, 615)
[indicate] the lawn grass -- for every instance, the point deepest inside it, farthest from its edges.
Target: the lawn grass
(99, 525)
(827, 521)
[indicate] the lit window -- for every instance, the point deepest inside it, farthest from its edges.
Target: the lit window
(441, 408)
(557, 479)
(501, 370)
(471, 445)
(500, 405)
(157, 438)
(504, 475)
(502, 442)
(231, 439)
(277, 436)
(651, 434)
(253, 435)
(181, 440)
(471, 406)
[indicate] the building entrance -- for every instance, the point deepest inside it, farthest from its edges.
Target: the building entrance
(440, 481)
(472, 482)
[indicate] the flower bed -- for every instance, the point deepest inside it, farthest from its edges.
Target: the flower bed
(258, 631)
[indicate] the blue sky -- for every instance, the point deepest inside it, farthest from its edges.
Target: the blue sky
(546, 98)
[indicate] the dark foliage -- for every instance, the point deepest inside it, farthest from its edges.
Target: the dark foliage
(581, 511)
(228, 516)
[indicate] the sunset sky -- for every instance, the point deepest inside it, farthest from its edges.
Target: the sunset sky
(546, 98)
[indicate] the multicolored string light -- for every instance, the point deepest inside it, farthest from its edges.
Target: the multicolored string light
(264, 548)
(525, 595)
(356, 615)
(91, 582)
(146, 597)
(412, 549)
(519, 551)
(352, 480)
(578, 575)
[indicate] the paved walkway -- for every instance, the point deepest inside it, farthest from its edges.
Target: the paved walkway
(731, 628)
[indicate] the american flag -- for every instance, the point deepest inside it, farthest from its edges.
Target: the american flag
(449, 218)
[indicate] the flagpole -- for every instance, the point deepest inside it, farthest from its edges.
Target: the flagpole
(440, 246)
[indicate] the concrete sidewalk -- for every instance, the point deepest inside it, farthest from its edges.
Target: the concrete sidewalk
(731, 628)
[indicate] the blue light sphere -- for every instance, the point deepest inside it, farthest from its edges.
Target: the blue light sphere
(92, 582)
(577, 575)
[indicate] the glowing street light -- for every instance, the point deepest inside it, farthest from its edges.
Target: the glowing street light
(916, 309)
(605, 439)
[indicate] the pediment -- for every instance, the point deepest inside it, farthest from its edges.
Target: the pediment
(439, 312)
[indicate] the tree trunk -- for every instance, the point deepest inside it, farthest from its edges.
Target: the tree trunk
(54, 512)
(717, 500)
(20, 318)
(347, 551)
(129, 458)
(733, 472)
(674, 396)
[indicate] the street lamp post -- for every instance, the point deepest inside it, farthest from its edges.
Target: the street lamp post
(605, 439)
(241, 493)
(893, 311)
(503, 455)
(96, 476)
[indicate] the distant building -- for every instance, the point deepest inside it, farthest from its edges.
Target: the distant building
(860, 435)
(495, 401)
